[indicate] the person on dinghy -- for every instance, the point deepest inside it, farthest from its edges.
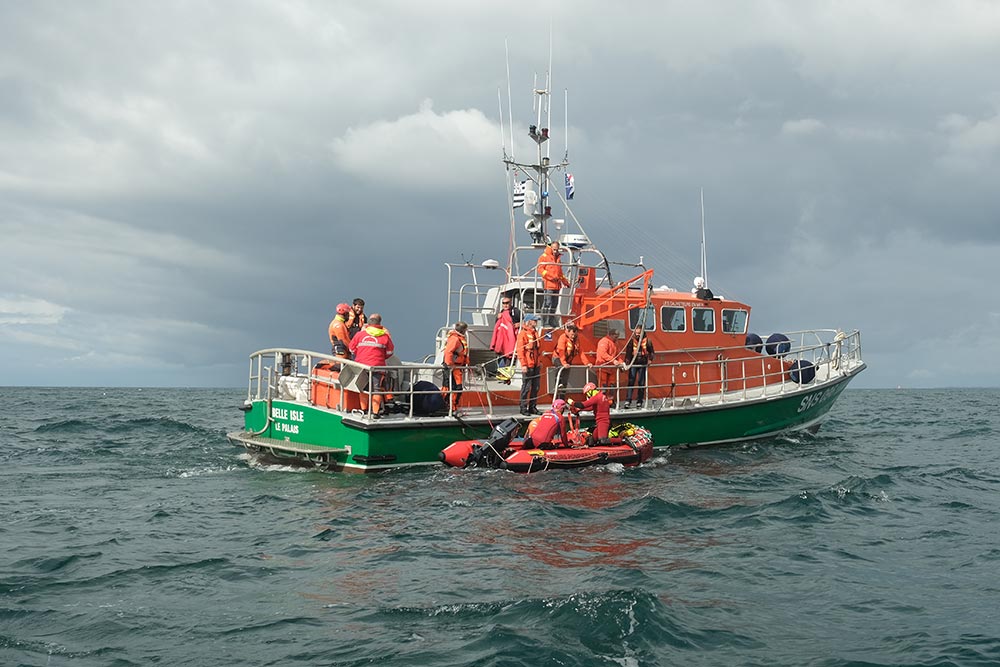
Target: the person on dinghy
(548, 426)
(598, 402)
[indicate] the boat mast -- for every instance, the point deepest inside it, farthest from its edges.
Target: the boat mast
(537, 204)
(704, 252)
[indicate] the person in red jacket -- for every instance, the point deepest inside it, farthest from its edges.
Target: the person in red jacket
(549, 425)
(551, 273)
(456, 357)
(598, 402)
(505, 333)
(372, 346)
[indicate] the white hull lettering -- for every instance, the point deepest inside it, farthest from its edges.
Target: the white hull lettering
(812, 400)
(290, 415)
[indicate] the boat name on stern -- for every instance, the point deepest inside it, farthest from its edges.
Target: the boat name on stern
(287, 414)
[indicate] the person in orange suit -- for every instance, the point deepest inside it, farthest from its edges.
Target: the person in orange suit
(568, 353)
(456, 357)
(340, 338)
(551, 273)
(529, 356)
(609, 357)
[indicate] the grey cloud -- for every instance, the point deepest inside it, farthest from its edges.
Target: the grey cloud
(182, 184)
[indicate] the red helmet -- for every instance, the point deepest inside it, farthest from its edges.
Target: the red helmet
(589, 387)
(343, 309)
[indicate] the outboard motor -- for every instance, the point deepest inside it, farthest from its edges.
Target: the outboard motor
(481, 453)
(503, 433)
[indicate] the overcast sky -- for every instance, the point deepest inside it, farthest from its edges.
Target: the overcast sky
(182, 183)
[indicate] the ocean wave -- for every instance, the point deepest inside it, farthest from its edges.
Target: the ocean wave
(64, 426)
(50, 564)
(607, 625)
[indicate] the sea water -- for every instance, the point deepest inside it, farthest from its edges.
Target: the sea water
(132, 533)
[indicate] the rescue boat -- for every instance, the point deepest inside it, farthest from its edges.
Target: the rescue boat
(712, 379)
(629, 445)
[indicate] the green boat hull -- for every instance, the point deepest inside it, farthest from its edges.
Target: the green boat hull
(326, 438)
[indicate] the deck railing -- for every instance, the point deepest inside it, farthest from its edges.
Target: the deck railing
(305, 376)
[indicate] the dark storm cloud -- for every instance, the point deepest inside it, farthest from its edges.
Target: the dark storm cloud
(184, 183)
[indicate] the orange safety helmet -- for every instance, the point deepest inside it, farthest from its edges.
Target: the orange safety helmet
(589, 387)
(343, 309)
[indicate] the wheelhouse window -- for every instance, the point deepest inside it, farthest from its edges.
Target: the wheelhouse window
(703, 320)
(734, 321)
(645, 316)
(672, 318)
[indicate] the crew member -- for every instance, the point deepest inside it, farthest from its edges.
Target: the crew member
(551, 273)
(638, 354)
(505, 333)
(529, 358)
(372, 346)
(568, 353)
(548, 425)
(340, 337)
(599, 403)
(608, 359)
(356, 319)
(456, 357)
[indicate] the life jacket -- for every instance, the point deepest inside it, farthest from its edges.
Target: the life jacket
(527, 347)
(550, 270)
(340, 338)
(456, 350)
(567, 349)
(640, 354)
(549, 424)
(355, 322)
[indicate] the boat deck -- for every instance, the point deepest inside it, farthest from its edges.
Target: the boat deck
(476, 414)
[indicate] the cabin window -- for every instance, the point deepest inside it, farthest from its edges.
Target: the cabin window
(734, 321)
(672, 318)
(703, 320)
(645, 316)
